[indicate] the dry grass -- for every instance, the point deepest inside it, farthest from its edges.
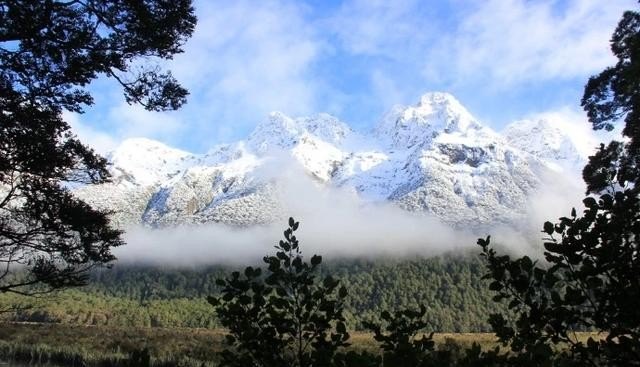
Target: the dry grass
(100, 342)
(365, 341)
(97, 343)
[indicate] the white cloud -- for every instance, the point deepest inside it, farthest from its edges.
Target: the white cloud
(247, 59)
(357, 58)
(134, 121)
(101, 141)
(244, 60)
(575, 123)
(334, 222)
(122, 122)
(378, 27)
(386, 90)
(506, 42)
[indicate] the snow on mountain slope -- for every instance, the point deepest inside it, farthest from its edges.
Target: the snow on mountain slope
(279, 131)
(444, 162)
(145, 162)
(551, 141)
(435, 114)
(319, 158)
(195, 188)
(433, 157)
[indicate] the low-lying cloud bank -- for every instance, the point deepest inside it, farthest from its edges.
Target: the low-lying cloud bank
(336, 223)
(333, 222)
(361, 236)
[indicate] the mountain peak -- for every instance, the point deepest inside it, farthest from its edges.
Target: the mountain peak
(444, 106)
(142, 147)
(146, 161)
(438, 98)
(281, 131)
(434, 114)
(141, 143)
(550, 141)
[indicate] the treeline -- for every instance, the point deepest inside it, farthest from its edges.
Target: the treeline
(458, 300)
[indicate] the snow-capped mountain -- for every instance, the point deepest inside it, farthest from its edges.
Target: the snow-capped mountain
(146, 162)
(436, 114)
(433, 158)
(281, 132)
(549, 141)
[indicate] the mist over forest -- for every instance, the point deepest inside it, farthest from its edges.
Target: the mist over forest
(338, 224)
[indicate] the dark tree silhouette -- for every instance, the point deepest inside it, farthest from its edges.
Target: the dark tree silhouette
(592, 278)
(49, 52)
(400, 342)
(287, 317)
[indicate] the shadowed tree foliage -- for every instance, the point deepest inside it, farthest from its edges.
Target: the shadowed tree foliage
(591, 279)
(49, 52)
(403, 342)
(400, 342)
(287, 317)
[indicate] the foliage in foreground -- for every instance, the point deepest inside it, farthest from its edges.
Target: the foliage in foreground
(591, 279)
(286, 318)
(290, 317)
(50, 51)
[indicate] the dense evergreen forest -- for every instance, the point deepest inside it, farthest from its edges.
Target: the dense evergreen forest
(458, 300)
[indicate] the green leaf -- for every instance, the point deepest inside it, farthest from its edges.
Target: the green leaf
(213, 301)
(594, 282)
(385, 315)
(553, 247)
(248, 272)
(230, 339)
(548, 228)
(590, 202)
(316, 260)
(244, 299)
(342, 293)
(281, 292)
(484, 242)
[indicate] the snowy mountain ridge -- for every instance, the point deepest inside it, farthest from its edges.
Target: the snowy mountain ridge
(430, 158)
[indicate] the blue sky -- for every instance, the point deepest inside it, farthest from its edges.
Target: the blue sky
(503, 59)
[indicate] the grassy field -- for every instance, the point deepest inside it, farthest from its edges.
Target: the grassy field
(100, 345)
(111, 346)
